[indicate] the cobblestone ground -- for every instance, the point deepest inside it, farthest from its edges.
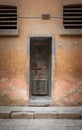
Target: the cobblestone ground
(40, 124)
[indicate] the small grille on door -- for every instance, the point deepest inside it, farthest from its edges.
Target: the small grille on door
(8, 17)
(72, 16)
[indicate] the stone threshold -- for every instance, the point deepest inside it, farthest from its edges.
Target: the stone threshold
(16, 112)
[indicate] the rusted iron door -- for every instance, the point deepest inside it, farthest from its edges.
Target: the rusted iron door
(40, 60)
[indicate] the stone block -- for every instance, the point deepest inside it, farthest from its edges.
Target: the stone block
(81, 115)
(6, 128)
(46, 128)
(37, 123)
(60, 128)
(14, 122)
(74, 128)
(69, 116)
(19, 128)
(45, 115)
(4, 115)
(31, 128)
(22, 115)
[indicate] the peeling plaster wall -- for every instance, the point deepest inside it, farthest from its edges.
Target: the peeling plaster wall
(14, 64)
(68, 82)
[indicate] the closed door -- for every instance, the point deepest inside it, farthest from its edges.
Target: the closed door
(40, 67)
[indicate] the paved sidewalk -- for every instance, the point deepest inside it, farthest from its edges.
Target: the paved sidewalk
(40, 124)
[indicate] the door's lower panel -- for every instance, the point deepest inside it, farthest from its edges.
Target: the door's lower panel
(40, 87)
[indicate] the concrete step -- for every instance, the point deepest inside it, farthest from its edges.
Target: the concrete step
(41, 112)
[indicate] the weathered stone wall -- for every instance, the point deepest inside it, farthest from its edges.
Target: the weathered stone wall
(14, 64)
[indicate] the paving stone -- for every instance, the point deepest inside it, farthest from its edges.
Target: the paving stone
(40, 122)
(46, 122)
(6, 128)
(39, 128)
(31, 128)
(77, 123)
(1, 120)
(74, 128)
(14, 122)
(69, 123)
(60, 128)
(61, 123)
(80, 108)
(19, 128)
(46, 128)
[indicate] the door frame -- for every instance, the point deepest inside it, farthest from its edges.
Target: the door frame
(53, 56)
